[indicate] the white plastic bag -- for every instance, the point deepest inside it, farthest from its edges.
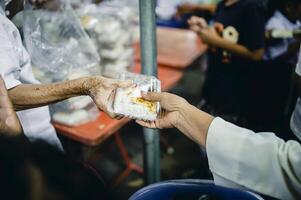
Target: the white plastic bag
(55, 39)
(61, 50)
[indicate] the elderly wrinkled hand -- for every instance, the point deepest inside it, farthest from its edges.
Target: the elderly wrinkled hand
(171, 106)
(102, 91)
(9, 122)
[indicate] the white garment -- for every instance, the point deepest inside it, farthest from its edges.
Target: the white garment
(261, 162)
(279, 22)
(296, 117)
(16, 69)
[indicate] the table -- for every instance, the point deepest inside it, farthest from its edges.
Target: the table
(177, 48)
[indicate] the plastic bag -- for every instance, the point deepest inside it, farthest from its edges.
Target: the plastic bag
(61, 50)
(55, 39)
(109, 26)
(128, 102)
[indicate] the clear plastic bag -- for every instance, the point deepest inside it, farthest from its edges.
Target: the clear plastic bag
(55, 39)
(128, 102)
(61, 50)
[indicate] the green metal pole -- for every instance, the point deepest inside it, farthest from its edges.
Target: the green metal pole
(149, 67)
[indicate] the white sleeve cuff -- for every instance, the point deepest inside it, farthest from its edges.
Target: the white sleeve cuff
(11, 81)
(224, 142)
(298, 68)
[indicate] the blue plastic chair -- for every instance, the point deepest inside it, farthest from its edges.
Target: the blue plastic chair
(190, 190)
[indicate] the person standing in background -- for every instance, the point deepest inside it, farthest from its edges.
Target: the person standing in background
(236, 40)
(274, 80)
(286, 17)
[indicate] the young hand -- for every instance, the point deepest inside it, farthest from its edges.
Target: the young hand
(178, 113)
(210, 36)
(102, 91)
(170, 104)
(9, 122)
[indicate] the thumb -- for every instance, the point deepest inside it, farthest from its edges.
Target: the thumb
(117, 83)
(152, 96)
(124, 84)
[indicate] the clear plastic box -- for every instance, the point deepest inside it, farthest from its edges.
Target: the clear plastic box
(128, 102)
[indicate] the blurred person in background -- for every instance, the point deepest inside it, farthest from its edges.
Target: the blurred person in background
(28, 96)
(274, 82)
(236, 42)
(286, 16)
(238, 158)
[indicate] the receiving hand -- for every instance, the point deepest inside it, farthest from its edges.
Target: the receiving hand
(102, 91)
(9, 122)
(209, 35)
(170, 104)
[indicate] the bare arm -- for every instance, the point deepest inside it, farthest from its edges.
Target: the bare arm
(211, 36)
(239, 50)
(28, 96)
(100, 89)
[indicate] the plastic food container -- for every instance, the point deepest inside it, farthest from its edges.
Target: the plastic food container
(128, 102)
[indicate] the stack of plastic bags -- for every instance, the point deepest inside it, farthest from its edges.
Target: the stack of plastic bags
(111, 26)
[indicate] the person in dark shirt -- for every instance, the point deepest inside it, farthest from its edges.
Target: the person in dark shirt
(236, 40)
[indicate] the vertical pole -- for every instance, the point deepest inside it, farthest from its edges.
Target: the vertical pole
(149, 67)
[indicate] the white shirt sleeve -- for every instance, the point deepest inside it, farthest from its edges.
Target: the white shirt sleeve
(259, 162)
(298, 67)
(9, 62)
(15, 67)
